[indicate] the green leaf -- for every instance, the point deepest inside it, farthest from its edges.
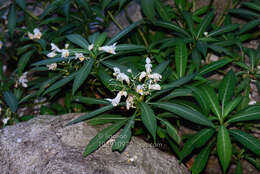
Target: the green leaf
(224, 147)
(11, 100)
(78, 40)
(124, 32)
(196, 141)
(188, 19)
(106, 118)
(239, 169)
(50, 61)
(214, 66)
(91, 114)
(181, 59)
(162, 10)
(199, 96)
(177, 93)
(244, 13)
(82, 75)
(100, 40)
(12, 19)
(48, 83)
(223, 30)
(148, 118)
(250, 25)
(249, 114)
(211, 97)
(230, 106)
(196, 58)
(130, 48)
(185, 112)
(201, 160)
(90, 101)
(226, 89)
(252, 5)
(102, 137)
(202, 47)
(148, 9)
(172, 132)
(171, 26)
(161, 67)
(125, 135)
(204, 24)
(250, 142)
(61, 83)
(24, 60)
(21, 3)
(107, 80)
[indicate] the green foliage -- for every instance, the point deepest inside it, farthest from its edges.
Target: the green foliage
(163, 66)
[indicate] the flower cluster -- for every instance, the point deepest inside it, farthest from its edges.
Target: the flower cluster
(108, 48)
(35, 35)
(135, 89)
(54, 49)
(23, 80)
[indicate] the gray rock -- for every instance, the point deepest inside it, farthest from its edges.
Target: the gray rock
(44, 146)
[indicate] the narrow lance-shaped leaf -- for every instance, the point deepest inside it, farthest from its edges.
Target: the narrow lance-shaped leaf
(91, 114)
(231, 105)
(90, 101)
(250, 25)
(214, 66)
(148, 119)
(11, 100)
(102, 137)
(61, 83)
(223, 30)
(204, 24)
(78, 40)
(24, 60)
(250, 142)
(196, 141)
(125, 135)
(12, 19)
(185, 112)
(188, 19)
(148, 9)
(47, 83)
(106, 118)
(181, 59)
(161, 67)
(239, 169)
(224, 147)
(211, 97)
(226, 89)
(172, 132)
(82, 75)
(171, 26)
(124, 32)
(201, 160)
(249, 114)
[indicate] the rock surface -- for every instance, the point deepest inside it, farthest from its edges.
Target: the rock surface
(44, 146)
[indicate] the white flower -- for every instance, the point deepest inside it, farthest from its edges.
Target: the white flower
(52, 66)
(155, 87)
(79, 56)
(37, 33)
(55, 48)
(142, 75)
(5, 120)
(121, 76)
(117, 99)
(148, 65)
(206, 34)
(129, 70)
(109, 48)
(23, 80)
(155, 76)
(130, 102)
(30, 35)
(1, 44)
(52, 54)
(65, 53)
(90, 47)
(252, 102)
(140, 89)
